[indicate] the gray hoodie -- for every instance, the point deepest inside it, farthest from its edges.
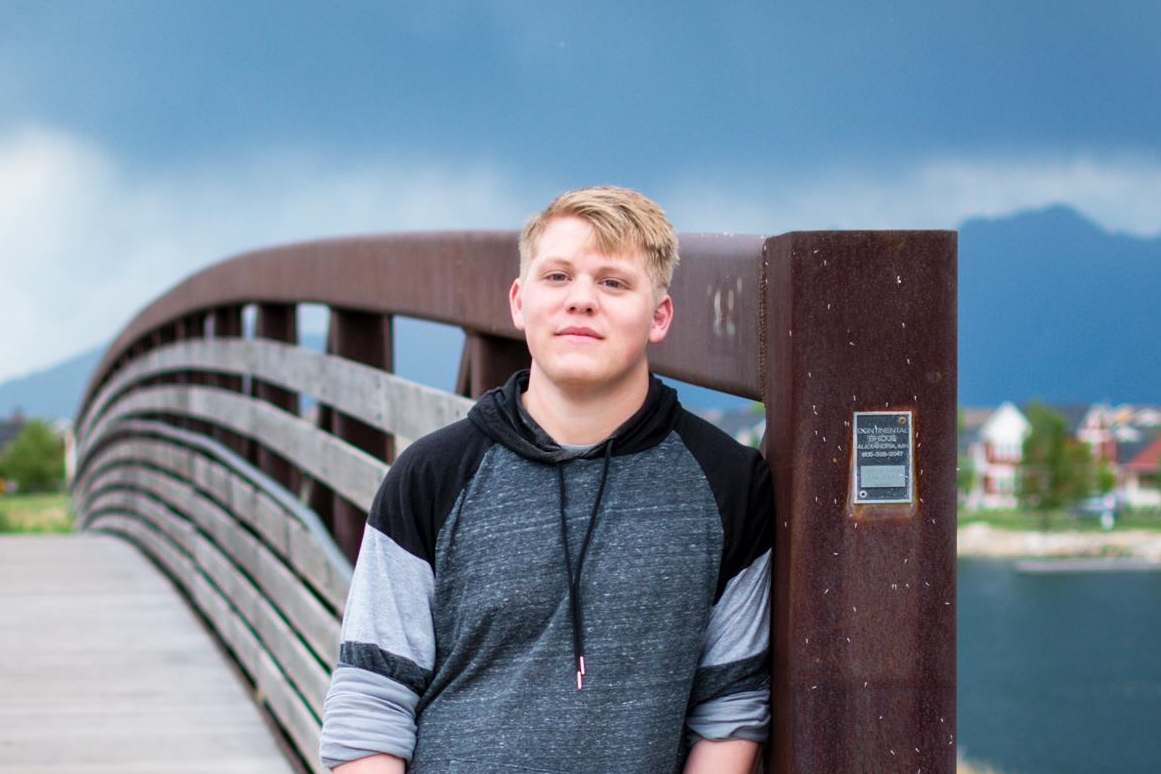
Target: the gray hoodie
(518, 606)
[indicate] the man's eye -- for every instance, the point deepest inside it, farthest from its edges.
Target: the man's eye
(613, 282)
(556, 276)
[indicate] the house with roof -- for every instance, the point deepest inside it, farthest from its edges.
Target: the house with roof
(1096, 427)
(993, 449)
(1139, 482)
(1124, 438)
(1139, 416)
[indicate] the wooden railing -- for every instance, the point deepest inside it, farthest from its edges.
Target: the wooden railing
(244, 463)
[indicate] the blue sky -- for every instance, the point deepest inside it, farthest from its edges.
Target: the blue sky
(141, 141)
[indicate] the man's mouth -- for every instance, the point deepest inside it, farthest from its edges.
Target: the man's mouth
(574, 331)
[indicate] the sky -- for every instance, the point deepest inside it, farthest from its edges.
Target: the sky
(141, 141)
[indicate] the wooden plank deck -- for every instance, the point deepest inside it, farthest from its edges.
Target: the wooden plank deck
(103, 668)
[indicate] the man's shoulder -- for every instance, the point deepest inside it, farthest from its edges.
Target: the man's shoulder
(441, 453)
(704, 437)
(447, 437)
(424, 482)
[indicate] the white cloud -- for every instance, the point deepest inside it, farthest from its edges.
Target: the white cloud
(1118, 192)
(85, 242)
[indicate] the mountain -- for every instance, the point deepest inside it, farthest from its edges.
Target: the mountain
(1050, 306)
(1053, 307)
(50, 393)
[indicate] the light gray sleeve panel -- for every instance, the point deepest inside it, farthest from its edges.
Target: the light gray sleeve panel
(365, 714)
(389, 604)
(739, 716)
(739, 625)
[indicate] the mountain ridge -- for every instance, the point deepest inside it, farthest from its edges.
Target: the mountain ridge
(1053, 307)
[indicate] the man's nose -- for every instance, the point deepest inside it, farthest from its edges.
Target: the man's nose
(581, 296)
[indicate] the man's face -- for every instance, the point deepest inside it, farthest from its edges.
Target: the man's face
(587, 316)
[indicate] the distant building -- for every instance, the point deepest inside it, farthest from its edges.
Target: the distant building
(1139, 482)
(994, 449)
(1124, 438)
(1096, 428)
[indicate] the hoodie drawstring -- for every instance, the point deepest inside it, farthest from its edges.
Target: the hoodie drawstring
(574, 593)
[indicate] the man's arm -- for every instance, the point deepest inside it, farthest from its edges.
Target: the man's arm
(374, 764)
(729, 712)
(728, 756)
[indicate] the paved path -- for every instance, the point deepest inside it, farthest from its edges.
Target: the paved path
(103, 668)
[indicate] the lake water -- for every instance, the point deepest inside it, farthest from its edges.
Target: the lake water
(1059, 673)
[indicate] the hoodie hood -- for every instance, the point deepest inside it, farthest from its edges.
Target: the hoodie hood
(499, 415)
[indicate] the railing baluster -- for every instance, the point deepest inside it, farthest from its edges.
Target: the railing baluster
(227, 322)
(280, 323)
(365, 338)
(487, 362)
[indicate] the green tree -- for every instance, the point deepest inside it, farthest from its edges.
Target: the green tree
(965, 474)
(34, 459)
(1106, 478)
(1057, 470)
(965, 468)
(1080, 472)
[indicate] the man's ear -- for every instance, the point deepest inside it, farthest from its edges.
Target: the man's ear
(662, 317)
(516, 305)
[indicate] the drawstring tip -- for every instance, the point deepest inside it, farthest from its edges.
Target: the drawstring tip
(580, 673)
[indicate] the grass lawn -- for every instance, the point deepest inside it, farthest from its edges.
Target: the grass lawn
(35, 513)
(966, 767)
(1058, 521)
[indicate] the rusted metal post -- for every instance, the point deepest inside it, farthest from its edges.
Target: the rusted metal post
(861, 331)
(278, 322)
(367, 339)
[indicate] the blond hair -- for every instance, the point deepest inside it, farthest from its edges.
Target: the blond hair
(621, 219)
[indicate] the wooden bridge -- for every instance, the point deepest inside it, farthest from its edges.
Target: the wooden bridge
(103, 668)
(241, 464)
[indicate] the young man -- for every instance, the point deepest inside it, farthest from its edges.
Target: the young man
(575, 578)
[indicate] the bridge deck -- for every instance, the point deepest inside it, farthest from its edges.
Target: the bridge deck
(103, 668)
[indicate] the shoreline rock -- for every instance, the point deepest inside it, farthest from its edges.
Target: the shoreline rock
(984, 541)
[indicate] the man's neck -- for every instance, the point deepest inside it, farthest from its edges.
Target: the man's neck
(583, 417)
